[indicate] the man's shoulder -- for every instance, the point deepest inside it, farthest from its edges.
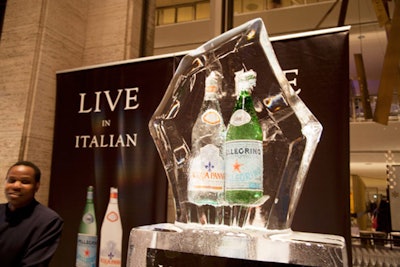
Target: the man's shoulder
(46, 212)
(2, 209)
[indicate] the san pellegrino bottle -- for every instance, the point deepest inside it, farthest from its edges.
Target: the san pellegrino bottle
(111, 234)
(207, 170)
(86, 251)
(244, 151)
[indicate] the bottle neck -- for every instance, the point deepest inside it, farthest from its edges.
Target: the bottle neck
(245, 102)
(244, 96)
(243, 91)
(89, 197)
(113, 197)
(210, 96)
(210, 92)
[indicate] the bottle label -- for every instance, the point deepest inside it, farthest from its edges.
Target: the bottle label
(110, 255)
(112, 216)
(114, 194)
(88, 218)
(207, 170)
(86, 251)
(240, 117)
(244, 165)
(211, 116)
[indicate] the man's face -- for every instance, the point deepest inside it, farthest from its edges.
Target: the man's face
(20, 187)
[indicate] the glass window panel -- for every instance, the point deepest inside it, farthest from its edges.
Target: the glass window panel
(286, 3)
(253, 5)
(185, 13)
(203, 11)
(166, 16)
(237, 7)
(275, 3)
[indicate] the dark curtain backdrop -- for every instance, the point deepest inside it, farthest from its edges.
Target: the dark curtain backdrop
(323, 65)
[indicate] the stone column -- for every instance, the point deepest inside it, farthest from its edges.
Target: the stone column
(40, 38)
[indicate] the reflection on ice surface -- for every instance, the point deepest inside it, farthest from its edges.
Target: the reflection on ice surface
(290, 132)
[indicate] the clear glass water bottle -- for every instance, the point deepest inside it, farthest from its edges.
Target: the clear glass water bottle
(111, 234)
(206, 171)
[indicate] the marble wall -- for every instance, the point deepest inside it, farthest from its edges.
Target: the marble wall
(39, 38)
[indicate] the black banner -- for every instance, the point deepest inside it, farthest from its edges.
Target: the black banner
(101, 138)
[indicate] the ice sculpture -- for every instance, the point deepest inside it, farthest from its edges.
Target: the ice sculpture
(213, 226)
(290, 132)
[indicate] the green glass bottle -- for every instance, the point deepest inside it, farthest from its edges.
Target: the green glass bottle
(244, 151)
(86, 254)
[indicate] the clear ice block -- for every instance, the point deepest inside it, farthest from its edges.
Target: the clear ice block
(290, 131)
(181, 245)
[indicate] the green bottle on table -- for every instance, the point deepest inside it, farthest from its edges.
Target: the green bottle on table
(86, 252)
(244, 151)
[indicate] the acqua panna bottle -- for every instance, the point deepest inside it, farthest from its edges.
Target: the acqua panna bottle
(207, 170)
(244, 150)
(86, 251)
(111, 234)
